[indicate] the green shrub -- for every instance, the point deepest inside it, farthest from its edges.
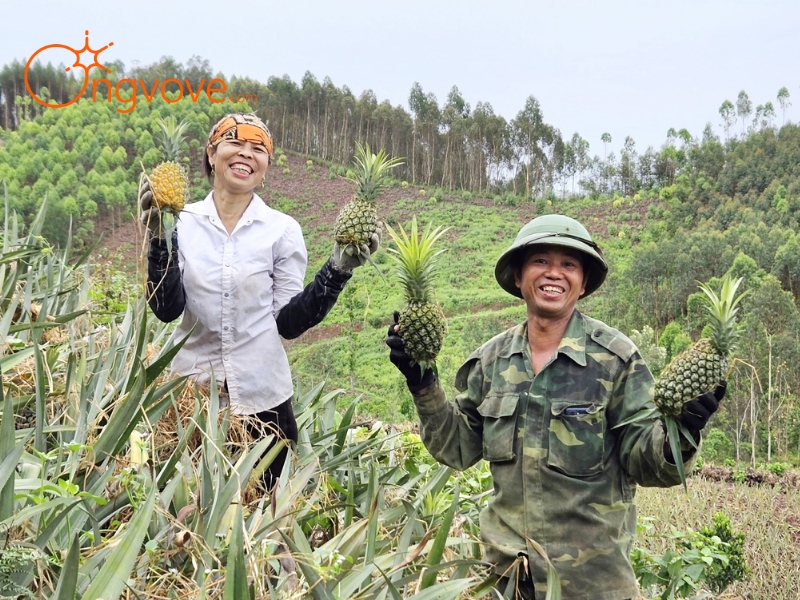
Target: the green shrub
(711, 558)
(778, 468)
(723, 574)
(716, 447)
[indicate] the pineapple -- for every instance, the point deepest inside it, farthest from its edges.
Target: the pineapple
(169, 181)
(422, 325)
(699, 368)
(358, 222)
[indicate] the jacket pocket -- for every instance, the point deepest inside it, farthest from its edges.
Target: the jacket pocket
(577, 438)
(499, 412)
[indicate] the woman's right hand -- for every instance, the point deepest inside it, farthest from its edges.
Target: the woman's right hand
(149, 215)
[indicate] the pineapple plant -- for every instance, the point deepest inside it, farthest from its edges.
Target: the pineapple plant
(421, 324)
(702, 366)
(358, 221)
(169, 181)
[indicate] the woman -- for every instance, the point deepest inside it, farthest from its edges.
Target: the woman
(235, 270)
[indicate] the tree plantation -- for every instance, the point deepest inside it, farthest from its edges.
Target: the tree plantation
(118, 481)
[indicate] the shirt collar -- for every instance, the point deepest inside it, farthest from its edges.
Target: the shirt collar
(257, 210)
(573, 344)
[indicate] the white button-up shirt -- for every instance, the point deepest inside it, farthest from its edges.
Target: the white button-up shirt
(235, 285)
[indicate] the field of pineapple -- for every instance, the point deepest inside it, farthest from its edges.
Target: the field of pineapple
(116, 482)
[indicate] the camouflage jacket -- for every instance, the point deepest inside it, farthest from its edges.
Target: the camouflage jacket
(563, 475)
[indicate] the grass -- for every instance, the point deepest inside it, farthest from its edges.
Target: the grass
(768, 515)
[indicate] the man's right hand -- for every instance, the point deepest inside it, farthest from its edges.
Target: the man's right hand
(416, 378)
(150, 215)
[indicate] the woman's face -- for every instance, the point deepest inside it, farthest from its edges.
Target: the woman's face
(238, 165)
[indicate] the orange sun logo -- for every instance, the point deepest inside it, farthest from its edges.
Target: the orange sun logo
(77, 63)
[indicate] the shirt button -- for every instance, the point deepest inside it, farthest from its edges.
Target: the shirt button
(225, 328)
(226, 294)
(598, 334)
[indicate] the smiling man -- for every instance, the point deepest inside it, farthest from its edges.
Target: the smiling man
(541, 402)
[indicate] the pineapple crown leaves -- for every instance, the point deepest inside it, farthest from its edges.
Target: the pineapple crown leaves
(171, 137)
(370, 172)
(723, 309)
(416, 258)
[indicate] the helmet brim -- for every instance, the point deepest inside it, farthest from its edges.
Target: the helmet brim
(595, 271)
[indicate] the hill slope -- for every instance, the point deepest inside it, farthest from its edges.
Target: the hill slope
(347, 348)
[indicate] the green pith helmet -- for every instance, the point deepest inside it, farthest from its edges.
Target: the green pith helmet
(553, 230)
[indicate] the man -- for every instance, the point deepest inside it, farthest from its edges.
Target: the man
(541, 403)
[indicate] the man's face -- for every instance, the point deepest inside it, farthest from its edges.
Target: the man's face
(551, 280)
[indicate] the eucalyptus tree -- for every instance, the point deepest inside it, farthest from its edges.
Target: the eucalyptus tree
(783, 100)
(786, 266)
(744, 108)
(534, 143)
(311, 94)
(771, 326)
(579, 156)
(646, 169)
(765, 113)
(454, 124)
(627, 167)
(427, 117)
(728, 113)
(12, 86)
(490, 145)
(606, 139)
(281, 106)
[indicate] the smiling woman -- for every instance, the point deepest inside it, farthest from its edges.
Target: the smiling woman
(235, 270)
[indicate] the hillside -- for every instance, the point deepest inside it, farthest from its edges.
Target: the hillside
(698, 210)
(480, 229)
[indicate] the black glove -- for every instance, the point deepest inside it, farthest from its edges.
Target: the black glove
(697, 412)
(416, 378)
(149, 215)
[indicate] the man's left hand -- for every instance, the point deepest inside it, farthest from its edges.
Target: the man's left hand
(698, 411)
(349, 256)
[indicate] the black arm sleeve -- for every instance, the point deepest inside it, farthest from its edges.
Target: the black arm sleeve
(165, 293)
(311, 305)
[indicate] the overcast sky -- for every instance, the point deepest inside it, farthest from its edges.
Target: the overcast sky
(630, 68)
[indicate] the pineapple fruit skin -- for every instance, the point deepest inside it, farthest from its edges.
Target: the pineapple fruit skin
(693, 372)
(357, 223)
(170, 186)
(422, 326)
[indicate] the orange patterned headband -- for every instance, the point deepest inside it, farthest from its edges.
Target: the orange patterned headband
(244, 127)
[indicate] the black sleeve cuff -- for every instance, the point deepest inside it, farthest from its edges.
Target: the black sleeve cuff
(310, 306)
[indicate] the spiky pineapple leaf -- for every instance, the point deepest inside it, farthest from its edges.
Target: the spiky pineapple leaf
(723, 309)
(371, 170)
(171, 136)
(415, 258)
(674, 439)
